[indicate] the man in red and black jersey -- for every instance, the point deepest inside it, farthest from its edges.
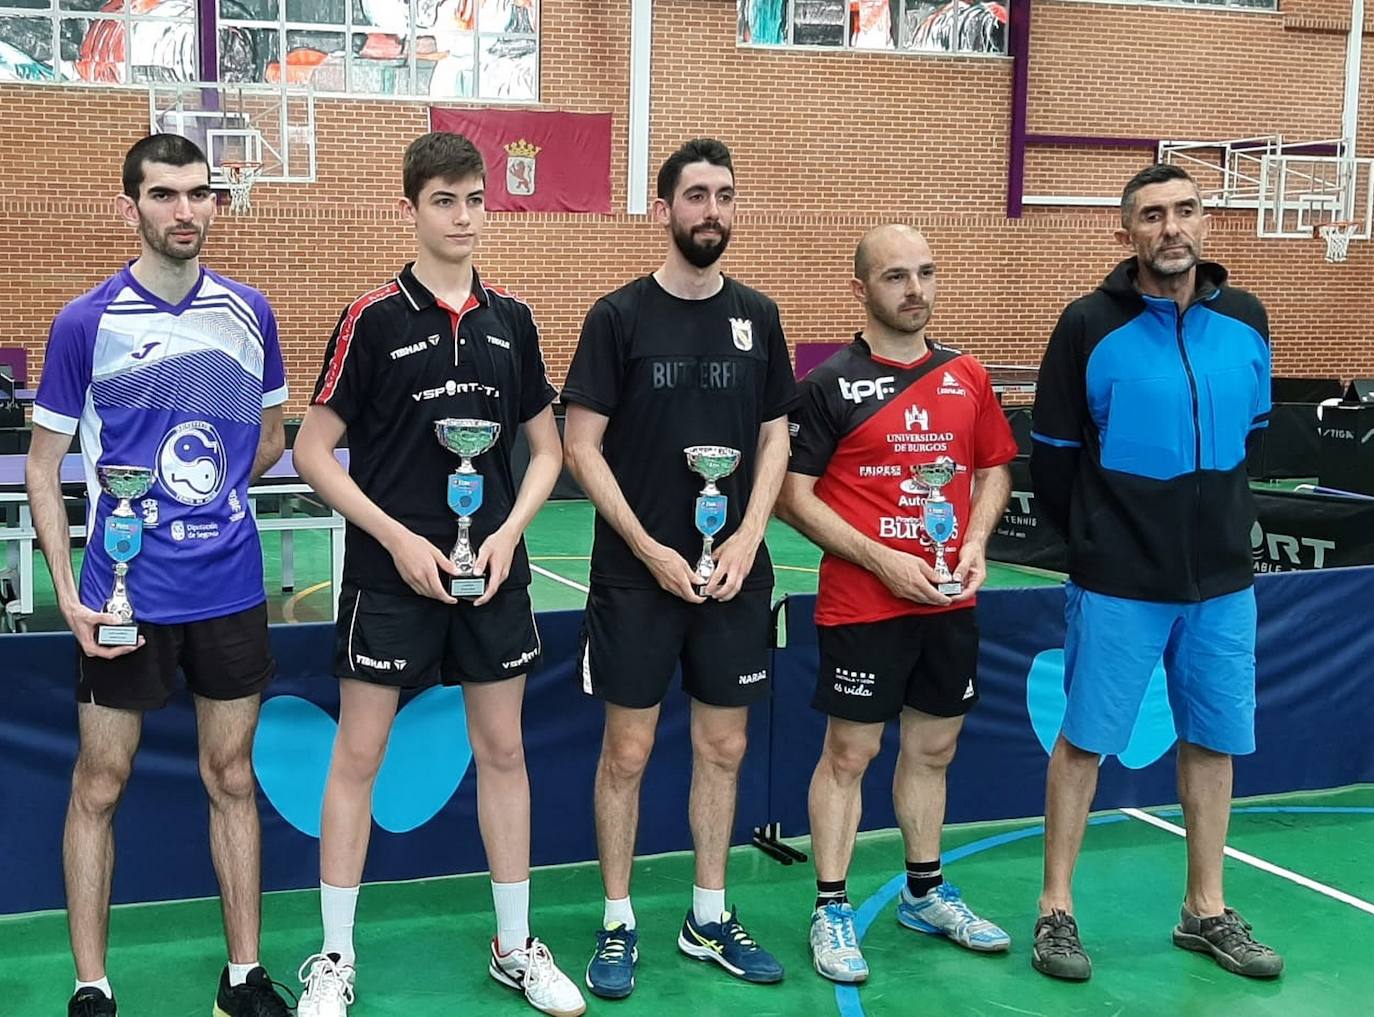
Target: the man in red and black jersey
(892, 645)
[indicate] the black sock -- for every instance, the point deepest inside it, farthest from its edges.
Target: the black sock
(922, 877)
(831, 893)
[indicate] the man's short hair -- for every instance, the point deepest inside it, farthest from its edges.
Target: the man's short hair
(1159, 173)
(441, 155)
(169, 149)
(697, 150)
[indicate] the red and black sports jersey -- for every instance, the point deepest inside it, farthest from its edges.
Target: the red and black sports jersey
(862, 427)
(399, 360)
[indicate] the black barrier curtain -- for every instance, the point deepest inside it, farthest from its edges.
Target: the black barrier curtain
(1295, 531)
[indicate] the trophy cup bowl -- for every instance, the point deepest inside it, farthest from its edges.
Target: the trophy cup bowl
(125, 483)
(937, 474)
(712, 462)
(466, 437)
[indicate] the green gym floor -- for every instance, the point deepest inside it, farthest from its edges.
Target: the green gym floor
(559, 543)
(422, 945)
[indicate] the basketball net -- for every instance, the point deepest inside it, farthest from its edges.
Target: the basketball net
(1337, 236)
(240, 177)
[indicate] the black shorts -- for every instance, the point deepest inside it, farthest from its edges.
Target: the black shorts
(229, 657)
(869, 672)
(412, 642)
(633, 639)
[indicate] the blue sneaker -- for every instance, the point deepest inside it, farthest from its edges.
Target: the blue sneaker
(611, 971)
(942, 912)
(726, 943)
(835, 944)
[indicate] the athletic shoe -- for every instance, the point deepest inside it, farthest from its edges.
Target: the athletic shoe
(726, 943)
(532, 971)
(90, 1002)
(611, 971)
(942, 912)
(1227, 938)
(835, 945)
(256, 997)
(1058, 952)
(328, 986)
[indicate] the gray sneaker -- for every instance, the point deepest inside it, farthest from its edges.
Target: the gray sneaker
(1058, 952)
(1227, 938)
(835, 945)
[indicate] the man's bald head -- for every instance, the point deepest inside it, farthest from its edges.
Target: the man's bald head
(879, 242)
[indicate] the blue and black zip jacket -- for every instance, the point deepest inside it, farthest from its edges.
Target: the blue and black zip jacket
(1142, 415)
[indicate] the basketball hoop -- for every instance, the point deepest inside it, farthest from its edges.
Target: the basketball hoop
(1337, 236)
(240, 177)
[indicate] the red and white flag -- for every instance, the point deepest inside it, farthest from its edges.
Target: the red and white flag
(538, 161)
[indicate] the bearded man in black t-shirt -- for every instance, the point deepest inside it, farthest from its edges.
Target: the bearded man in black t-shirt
(683, 357)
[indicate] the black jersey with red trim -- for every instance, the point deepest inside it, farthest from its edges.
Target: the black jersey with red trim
(670, 373)
(863, 425)
(399, 360)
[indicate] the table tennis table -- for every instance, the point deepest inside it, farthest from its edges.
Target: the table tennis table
(18, 535)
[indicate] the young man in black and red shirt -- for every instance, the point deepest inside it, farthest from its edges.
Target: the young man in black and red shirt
(435, 342)
(892, 645)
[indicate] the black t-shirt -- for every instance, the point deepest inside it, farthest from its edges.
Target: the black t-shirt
(399, 360)
(670, 373)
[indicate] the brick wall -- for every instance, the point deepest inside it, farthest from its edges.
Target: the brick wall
(826, 145)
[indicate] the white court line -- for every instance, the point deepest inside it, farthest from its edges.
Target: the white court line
(1261, 864)
(557, 578)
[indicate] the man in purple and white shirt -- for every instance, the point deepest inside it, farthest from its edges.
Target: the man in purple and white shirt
(171, 367)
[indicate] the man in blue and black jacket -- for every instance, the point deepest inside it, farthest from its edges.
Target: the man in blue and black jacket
(1148, 391)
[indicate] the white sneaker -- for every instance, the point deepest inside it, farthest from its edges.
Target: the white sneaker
(533, 972)
(328, 986)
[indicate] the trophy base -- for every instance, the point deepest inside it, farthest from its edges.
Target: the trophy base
(950, 589)
(116, 635)
(467, 587)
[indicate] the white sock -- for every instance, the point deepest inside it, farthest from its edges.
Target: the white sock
(512, 901)
(707, 905)
(103, 984)
(337, 907)
(619, 911)
(238, 973)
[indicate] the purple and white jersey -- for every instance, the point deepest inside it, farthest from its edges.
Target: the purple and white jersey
(179, 389)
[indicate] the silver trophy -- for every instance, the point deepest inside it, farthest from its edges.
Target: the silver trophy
(466, 438)
(123, 541)
(938, 520)
(712, 462)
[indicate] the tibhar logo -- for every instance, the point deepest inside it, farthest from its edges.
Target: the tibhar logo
(416, 347)
(899, 528)
(915, 415)
(391, 664)
(865, 388)
(754, 678)
(498, 341)
(1279, 552)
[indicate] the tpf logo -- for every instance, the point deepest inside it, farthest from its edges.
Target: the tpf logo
(864, 388)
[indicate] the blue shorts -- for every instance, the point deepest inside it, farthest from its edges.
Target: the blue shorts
(1113, 646)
